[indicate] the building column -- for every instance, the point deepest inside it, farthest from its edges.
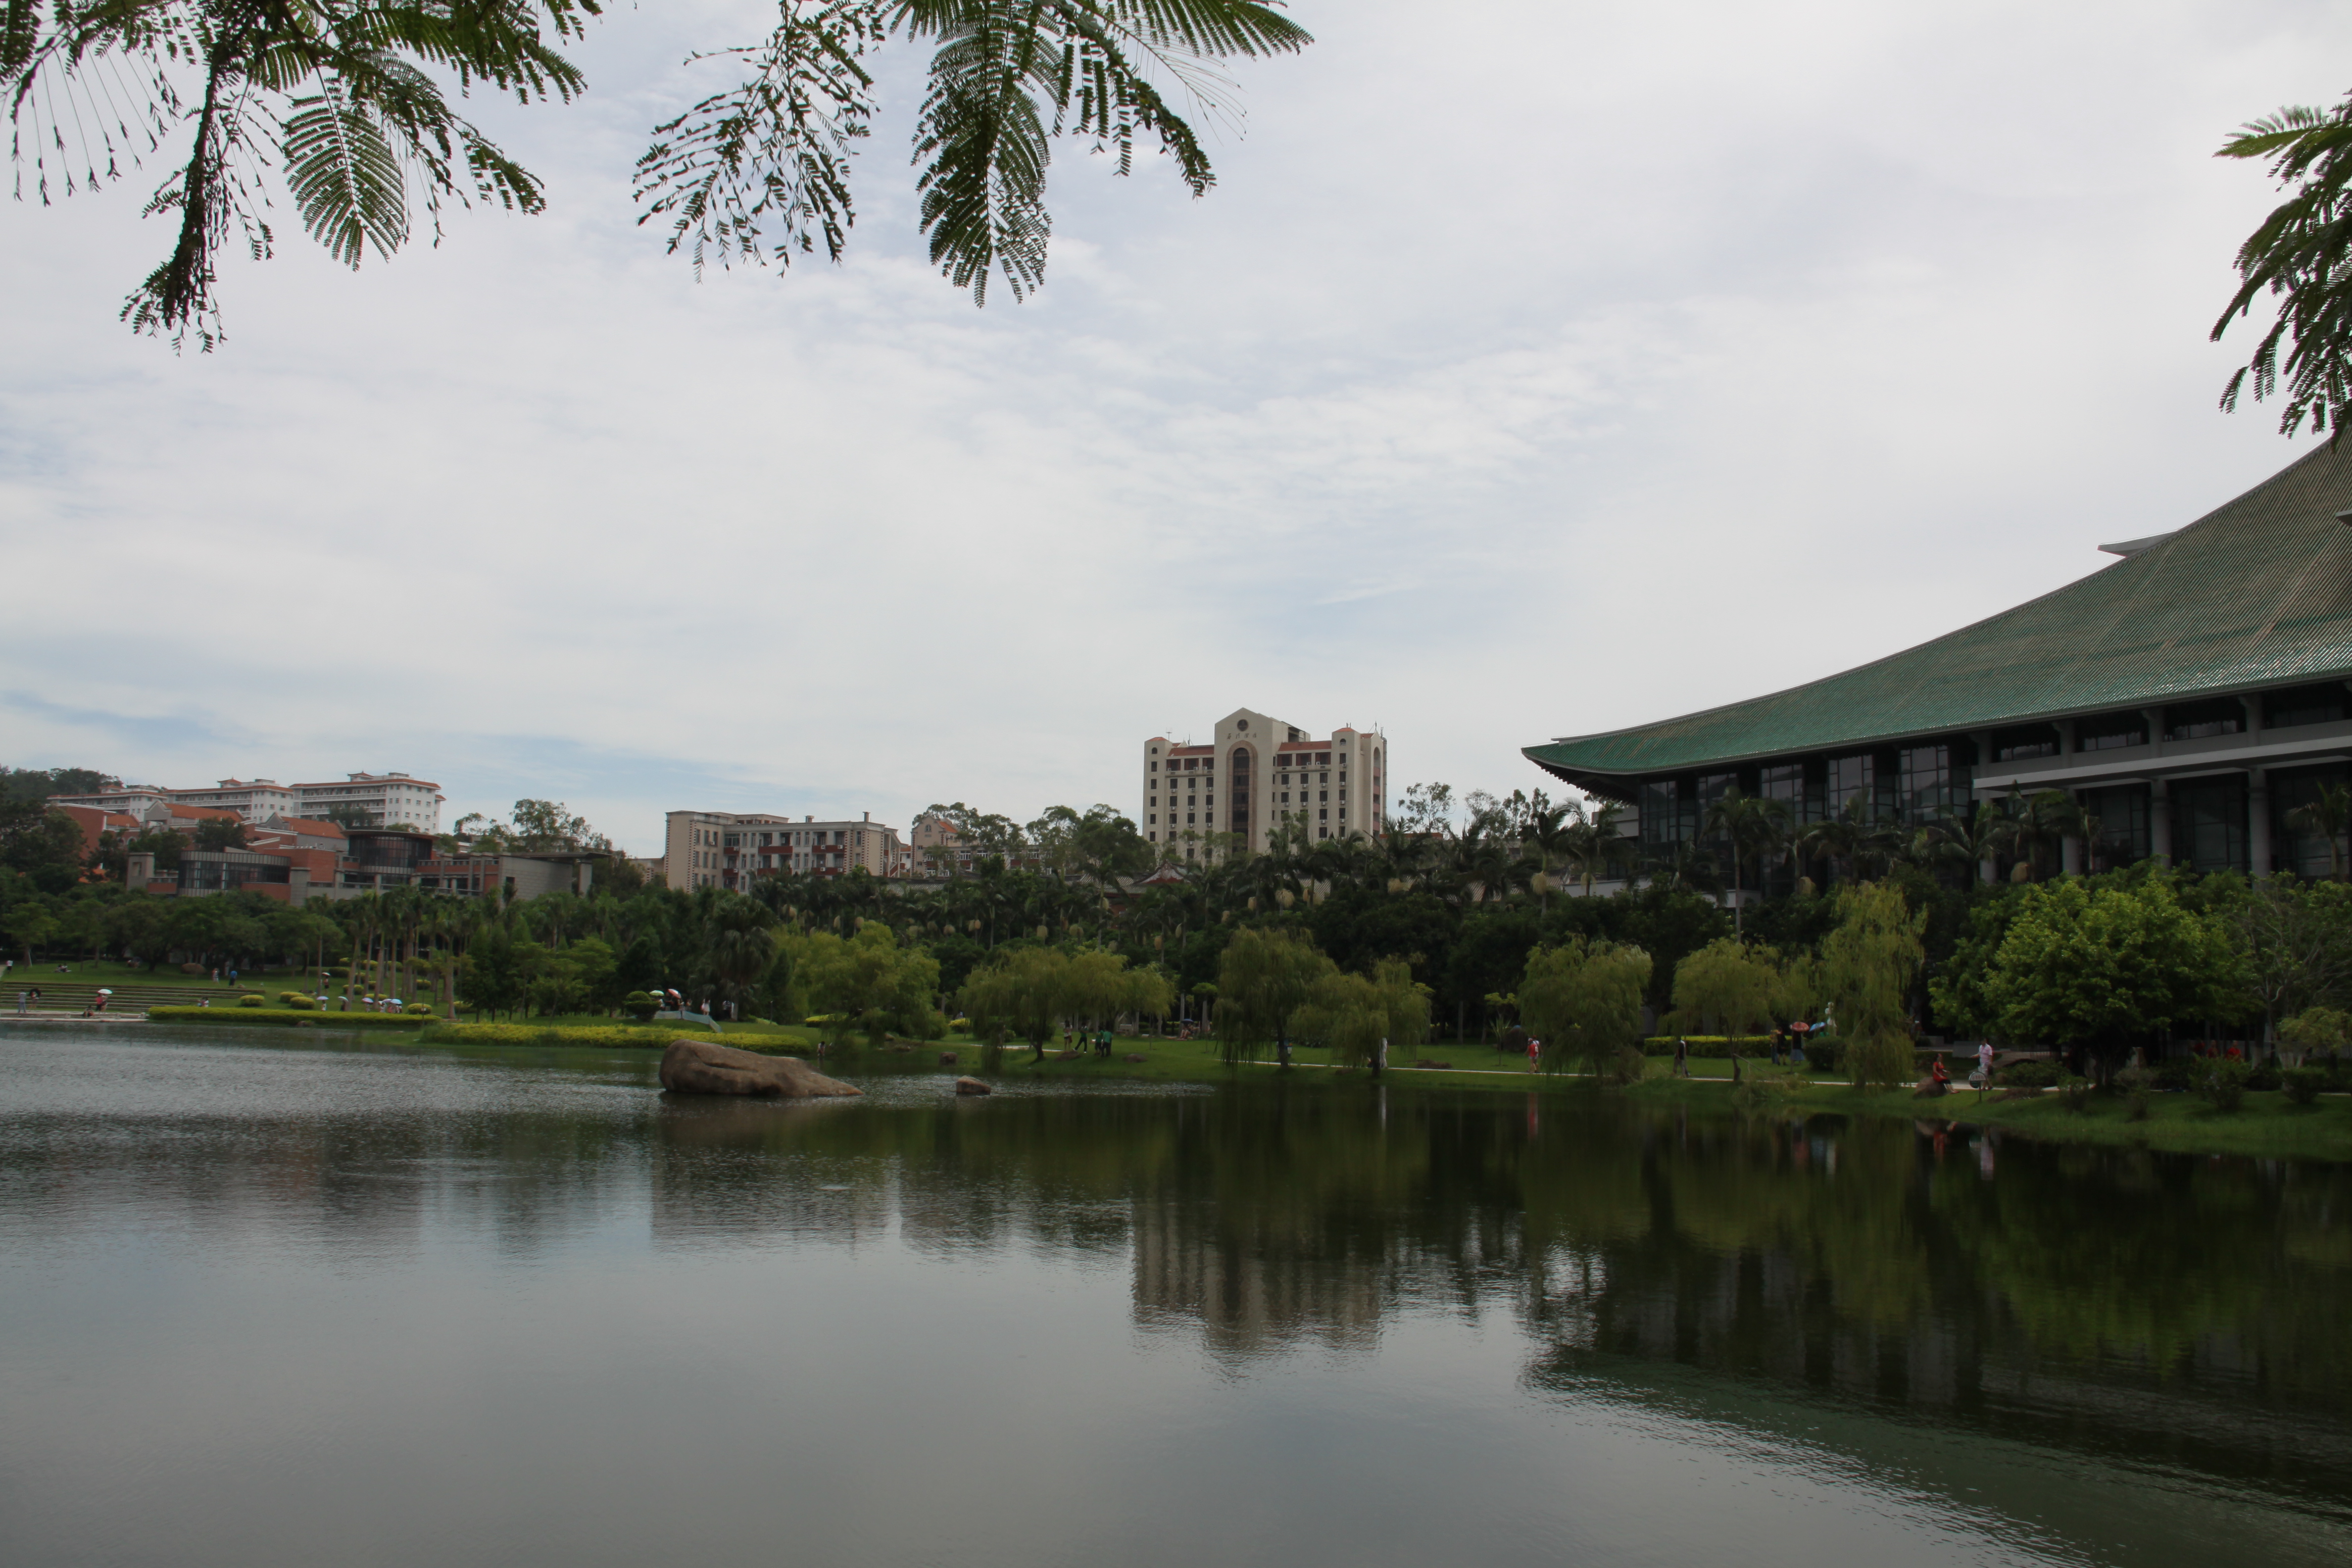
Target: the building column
(2154, 718)
(2070, 855)
(2258, 822)
(2160, 822)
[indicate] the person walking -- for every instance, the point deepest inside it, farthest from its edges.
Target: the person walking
(1682, 1056)
(1535, 1050)
(1797, 1033)
(20, 1001)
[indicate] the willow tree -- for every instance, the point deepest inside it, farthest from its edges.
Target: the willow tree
(1868, 965)
(1583, 1000)
(1262, 980)
(1727, 985)
(348, 109)
(1356, 1017)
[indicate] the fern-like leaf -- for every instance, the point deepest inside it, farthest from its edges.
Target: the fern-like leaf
(345, 177)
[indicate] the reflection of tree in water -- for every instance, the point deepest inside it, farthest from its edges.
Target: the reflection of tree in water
(2079, 1296)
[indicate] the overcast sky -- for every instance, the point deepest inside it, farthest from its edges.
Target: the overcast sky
(1534, 369)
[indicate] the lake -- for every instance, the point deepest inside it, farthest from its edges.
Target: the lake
(348, 1303)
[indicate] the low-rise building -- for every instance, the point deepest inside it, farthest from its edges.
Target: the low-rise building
(728, 850)
(365, 800)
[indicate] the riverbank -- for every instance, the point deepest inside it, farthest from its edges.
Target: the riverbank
(2267, 1125)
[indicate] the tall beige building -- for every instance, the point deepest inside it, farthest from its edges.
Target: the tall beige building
(1258, 773)
(729, 848)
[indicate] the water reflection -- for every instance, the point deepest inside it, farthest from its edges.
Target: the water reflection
(1775, 1277)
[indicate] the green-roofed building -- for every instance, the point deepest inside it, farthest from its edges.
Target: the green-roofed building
(2189, 695)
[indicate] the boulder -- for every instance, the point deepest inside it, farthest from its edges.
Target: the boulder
(948, 1059)
(974, 1086)
(705, 1067)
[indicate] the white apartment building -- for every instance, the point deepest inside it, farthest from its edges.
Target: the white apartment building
(381, 800)
(729, 848)
(365, 800)
(1269, 775)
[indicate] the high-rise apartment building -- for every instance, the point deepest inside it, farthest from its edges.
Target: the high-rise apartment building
(1258, 773)
(728, 848)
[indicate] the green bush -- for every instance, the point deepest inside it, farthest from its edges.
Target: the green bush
(641, 1006)
(418, 1010)
(248, 1001)
(301, 1004)
(2177, 1075)
(2305, 1084)
(2139, 1103)
(2262, 1077)
(1711, 1044)
(2222, 1081)
(2029, 1075)
(2074, 1092)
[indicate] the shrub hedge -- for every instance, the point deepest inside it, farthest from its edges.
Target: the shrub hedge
(282, 1017)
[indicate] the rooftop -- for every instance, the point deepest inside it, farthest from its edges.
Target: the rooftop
(2256, 592)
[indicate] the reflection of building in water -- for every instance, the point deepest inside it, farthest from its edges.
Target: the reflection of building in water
(1248, 1293)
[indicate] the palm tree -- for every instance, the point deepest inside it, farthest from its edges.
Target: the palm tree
(1854, 838)
(2329, 812)
(1754, 823)
(1594, 846)
(337, 95)
(1549, 832)
(1972, 840)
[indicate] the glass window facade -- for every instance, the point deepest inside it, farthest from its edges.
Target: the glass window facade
(2208, 824)
(2121, 814)
(1848, 777)
(1934, 783)
(2299, 849)
(1669, 816)
(1789, 785)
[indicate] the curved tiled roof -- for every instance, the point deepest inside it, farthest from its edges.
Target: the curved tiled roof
(2256, 592)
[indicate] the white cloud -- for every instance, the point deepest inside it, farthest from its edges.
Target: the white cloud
(1574, 367)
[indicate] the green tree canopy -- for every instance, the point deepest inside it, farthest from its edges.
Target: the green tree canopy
(2105, 966)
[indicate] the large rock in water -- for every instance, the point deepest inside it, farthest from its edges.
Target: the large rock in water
(705, 1067)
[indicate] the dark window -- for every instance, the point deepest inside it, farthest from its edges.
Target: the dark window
(2209, 825)
(2119, 815)
(2304, 705)
(1662, 807)
(2196, 720)
(2025, 743)
(2105, 732)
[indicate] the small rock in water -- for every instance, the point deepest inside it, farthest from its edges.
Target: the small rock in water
(948, 1059)
(974, 1086)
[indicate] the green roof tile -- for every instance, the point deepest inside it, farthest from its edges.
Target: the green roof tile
(2256, 593)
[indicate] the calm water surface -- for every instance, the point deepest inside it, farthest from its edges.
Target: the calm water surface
(346, 1303)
